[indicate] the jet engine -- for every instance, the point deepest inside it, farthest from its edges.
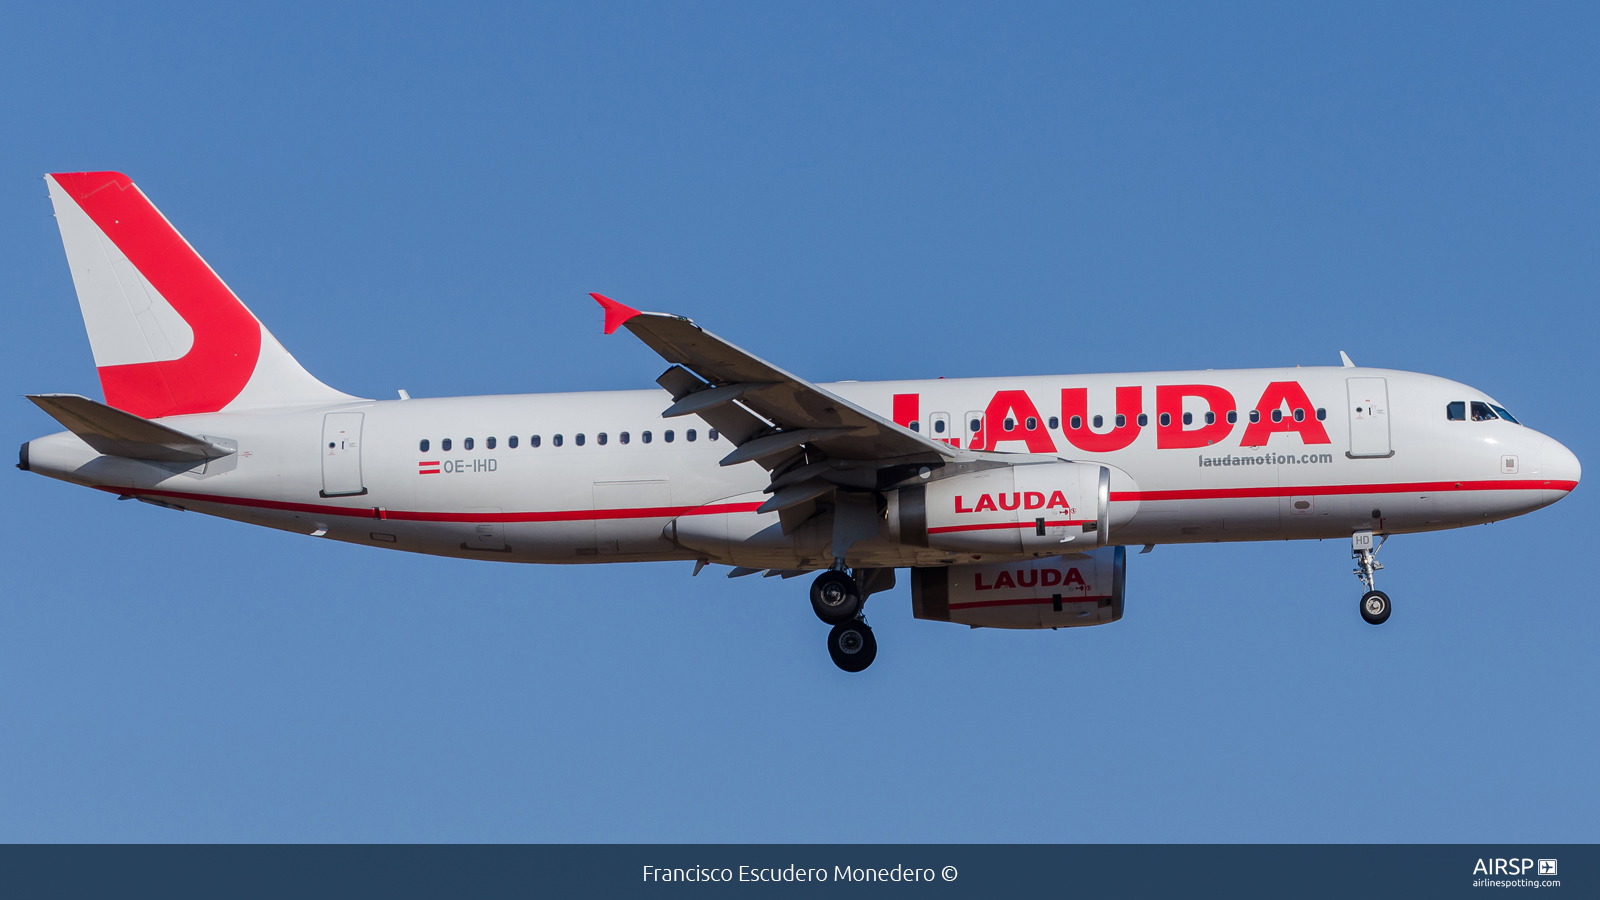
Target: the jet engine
(1043, 509)
(1054, 592)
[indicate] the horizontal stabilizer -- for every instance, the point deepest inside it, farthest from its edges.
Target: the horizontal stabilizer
(117, 433)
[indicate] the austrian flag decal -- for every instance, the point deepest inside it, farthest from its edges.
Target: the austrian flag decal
(428, 468)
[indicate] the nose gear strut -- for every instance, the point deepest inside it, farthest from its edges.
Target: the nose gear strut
(1366, 556)
(1375, 606)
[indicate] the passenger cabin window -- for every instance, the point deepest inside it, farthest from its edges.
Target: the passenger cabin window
(1076, 422)
(489, 443)
(914, 426)
(1255, 416)
(1030, 423)
(1504, 415)
(578, 439)
(1143, 420)
(690, 435)
(1233, 416)
(601, 438)
(533, 441)
(1054, 423)
(1010, 424)
(1188, 418)
(645, 437)
(938, 427)
(444, 444)
(1099, 421)
(423, 446)
(556, 441)
(1455, 411)
(466, 444)
(1121, 420)
(512, 442)
(1322, 413)
(1166, 419)
(975, 426)
(711, 433)
(1481, 412)
(1277, 415)
(624, 437)
(667, 435)
(1299, 415)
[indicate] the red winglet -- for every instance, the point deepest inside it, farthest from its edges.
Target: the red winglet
(616, 313)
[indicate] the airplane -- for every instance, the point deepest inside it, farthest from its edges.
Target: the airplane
(1010, 501)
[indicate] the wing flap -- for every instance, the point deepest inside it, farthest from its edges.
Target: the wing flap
(795, 494)
(701, 401)
(729, 418)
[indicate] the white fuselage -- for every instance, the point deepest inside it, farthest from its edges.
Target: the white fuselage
(1395, 464)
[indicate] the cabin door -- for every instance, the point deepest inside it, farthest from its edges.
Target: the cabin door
(1369, 418)
(341, 455)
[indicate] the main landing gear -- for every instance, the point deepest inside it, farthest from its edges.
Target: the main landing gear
(837, 600)
(1375, 607)
(835, 597)
(852, 645)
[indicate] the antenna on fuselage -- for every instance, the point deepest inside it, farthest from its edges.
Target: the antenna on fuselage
(1345, 357)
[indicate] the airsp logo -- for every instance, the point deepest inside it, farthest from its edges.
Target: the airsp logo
(1547, 867)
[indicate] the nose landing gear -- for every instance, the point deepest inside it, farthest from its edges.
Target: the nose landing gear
(1375, 606)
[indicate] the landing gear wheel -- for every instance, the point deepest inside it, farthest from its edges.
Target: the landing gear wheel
(852, 645)
(1375, 607)
(835, 597)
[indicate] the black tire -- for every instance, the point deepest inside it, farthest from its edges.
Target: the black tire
(835, 597)
(852, 645)
(1375, 607)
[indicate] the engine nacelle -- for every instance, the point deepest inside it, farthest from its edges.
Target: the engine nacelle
(1041, 508)
(1052, 592)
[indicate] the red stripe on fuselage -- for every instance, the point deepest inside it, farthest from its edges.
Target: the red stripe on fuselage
(365, 512)
(1411, 487)
(667, 512)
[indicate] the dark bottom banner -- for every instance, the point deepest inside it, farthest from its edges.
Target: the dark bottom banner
(801, 870)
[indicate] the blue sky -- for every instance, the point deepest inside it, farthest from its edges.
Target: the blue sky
(419, 198)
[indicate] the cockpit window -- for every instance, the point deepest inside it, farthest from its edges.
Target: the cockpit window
(1505, 415)
(1481, 412)
(1456, 411)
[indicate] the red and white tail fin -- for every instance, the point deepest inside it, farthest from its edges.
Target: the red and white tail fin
(168, 336)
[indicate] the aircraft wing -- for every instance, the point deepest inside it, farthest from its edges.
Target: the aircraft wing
(799, 412)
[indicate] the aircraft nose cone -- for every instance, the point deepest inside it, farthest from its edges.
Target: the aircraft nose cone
(1559, 470)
